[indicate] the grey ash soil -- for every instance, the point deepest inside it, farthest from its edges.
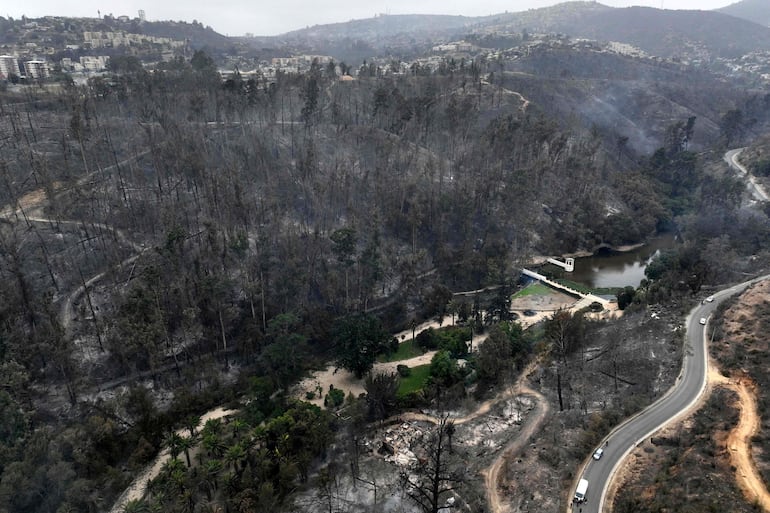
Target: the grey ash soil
(646, 349)
(476, 444)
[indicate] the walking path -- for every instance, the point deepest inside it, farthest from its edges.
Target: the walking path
(531, 426)
(138, 488)
(585, 299)
(739, 440)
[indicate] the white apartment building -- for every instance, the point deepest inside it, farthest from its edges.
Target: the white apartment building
(94, 63)
(37, 69)
(68, 64)
(9, 65)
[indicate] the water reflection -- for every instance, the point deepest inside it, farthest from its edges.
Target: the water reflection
(618, 269)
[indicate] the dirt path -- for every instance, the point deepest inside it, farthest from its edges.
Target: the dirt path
(739, 440)
(344, 380)
(522, 99)
(492, 474)
(138, 488)
(534, 422)
(67, 314)
(29, 209)
(31, 200)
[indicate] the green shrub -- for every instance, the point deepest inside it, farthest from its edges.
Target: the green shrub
(451, 338)
(403, 370)
(412, 399)
(334, 398)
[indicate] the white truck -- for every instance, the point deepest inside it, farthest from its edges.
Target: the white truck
(580, 491)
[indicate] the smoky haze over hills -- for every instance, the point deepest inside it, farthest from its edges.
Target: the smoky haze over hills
(757, 11)
(664, 33)
(208, 226)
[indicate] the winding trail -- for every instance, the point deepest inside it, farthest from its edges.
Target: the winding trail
(739, 440)
(67, 315)
(534, 422)
(28, 208)
(138, 488)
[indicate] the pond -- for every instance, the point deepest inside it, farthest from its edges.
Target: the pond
(614, 269)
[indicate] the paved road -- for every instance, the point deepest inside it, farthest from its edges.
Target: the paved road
(677, 402)
(757, 191)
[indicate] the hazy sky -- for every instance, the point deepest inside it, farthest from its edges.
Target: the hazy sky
(269, 17)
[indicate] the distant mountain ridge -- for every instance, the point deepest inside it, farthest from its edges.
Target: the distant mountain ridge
(665, 33)
(757, 11)
(70, 30)
(386, 26)
(690, 35)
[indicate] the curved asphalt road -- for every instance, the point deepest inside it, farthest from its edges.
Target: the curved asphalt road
(757, 191)
(678, 401)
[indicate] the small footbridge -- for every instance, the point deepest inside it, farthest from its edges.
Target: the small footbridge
(568, 264)
(585, 299)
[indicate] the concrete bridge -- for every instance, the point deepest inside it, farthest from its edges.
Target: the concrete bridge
(568, 265)
(585, 299)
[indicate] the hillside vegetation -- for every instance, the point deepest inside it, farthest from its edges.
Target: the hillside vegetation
(171, 241)
(664, 33)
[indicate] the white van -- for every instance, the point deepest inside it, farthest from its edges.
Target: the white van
(580, 491)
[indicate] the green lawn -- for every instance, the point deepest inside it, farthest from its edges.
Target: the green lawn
(407, 349)
(415, 381)
(533, 289)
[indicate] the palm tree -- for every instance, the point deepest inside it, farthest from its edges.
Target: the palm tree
(136, 506)
(237, 425)
(188, 501)
(211, 507)
(213, 444)
(157, 507)
(212, 426)
(185, 444)
(261, 464)
(235, 454)
(191, 422)
(211, 471)
(173, 443)
(156, 491)
(175, 472)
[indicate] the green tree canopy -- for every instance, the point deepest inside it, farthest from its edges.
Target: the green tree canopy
(381, 390)
(443, 369)
(358, 339)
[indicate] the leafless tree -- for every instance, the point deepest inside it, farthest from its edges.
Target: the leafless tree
(432, 480)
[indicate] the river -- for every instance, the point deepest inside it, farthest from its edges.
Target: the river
(613, 269)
